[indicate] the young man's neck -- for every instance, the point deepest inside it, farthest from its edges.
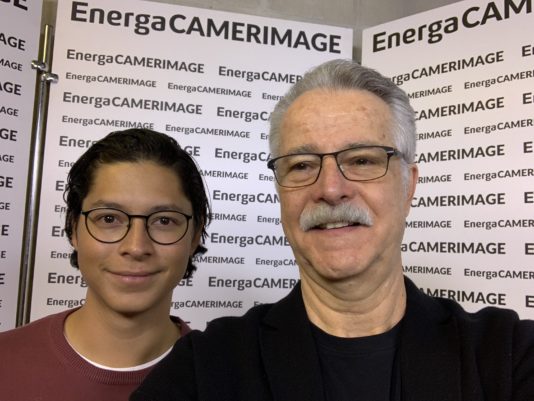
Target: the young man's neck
(119, 341)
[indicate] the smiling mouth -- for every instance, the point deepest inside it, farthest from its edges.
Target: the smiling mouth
(339, 224)
(134, 274)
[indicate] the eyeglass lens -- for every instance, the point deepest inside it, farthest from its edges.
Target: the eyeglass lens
(356, 164)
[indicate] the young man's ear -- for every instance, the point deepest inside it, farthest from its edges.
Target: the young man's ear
(195, 242)
(74, 236)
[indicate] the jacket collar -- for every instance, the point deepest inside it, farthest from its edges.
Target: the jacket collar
(429, 350)
(288, 351)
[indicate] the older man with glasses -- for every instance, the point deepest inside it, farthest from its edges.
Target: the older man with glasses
(354, 328)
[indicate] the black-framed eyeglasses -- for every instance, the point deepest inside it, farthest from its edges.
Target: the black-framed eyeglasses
(358, 163)
(110, 225)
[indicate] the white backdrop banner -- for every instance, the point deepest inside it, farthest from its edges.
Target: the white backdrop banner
(208, 78)
(19, 45)
(468, 69)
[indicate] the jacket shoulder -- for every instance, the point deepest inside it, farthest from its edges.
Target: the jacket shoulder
(489, 328)
(232, 326)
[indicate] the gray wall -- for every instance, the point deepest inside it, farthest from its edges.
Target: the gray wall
(355, 14)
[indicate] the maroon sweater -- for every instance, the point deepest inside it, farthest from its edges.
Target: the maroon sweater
(37, 364)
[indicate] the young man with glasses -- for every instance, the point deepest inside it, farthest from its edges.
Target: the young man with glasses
(136, 215)
(354, 328)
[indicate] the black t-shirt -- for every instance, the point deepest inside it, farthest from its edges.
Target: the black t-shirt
(363, 368)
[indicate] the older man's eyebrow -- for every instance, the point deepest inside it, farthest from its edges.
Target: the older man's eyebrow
(310, 148)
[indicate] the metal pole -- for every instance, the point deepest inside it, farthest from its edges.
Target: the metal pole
(34, 180)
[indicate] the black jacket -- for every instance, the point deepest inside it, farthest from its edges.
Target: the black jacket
(446, 354)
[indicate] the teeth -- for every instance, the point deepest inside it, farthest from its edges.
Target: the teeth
(339, 224)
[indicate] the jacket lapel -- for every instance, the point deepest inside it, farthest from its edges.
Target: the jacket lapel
(289, 353)
(429, 351)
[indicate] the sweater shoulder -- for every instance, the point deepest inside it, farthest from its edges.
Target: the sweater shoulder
(33, 331)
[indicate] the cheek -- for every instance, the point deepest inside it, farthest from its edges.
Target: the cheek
(182, 254)
(176, 264)
(392, 211)
(386, 204)
(291, 204)
(290, 210)
(179, 255)
(89, 253)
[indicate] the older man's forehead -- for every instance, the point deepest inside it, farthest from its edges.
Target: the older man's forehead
(360, 118)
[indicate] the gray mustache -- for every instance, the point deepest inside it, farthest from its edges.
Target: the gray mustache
(324, 214)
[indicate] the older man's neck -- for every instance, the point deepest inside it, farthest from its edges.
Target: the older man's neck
(355, 308)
